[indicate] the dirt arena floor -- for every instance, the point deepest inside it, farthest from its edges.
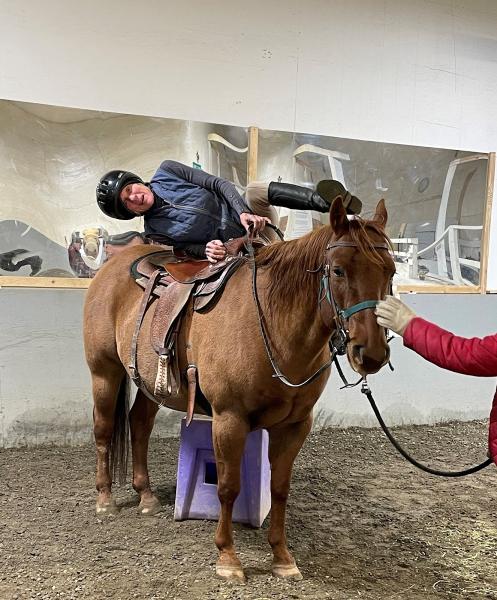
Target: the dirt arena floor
(362, 523)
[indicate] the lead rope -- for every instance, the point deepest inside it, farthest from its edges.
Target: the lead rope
(365, 390)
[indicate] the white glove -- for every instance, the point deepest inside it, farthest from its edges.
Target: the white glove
(394, 314)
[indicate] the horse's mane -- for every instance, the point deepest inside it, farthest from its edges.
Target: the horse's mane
(291, 263)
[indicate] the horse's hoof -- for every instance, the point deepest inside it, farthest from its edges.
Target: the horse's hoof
(231, 573)
(150, 506)
(106, 508)
(287, 572)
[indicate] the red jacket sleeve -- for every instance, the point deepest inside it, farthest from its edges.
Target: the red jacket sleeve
(470, 356)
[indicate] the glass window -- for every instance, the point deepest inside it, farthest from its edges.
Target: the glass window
(436, 198)
(53, 157)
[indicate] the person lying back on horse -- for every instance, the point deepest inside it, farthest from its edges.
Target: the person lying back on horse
(192, 210)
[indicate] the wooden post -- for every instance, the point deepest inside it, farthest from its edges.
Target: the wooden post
(485, 234)
(253, 148)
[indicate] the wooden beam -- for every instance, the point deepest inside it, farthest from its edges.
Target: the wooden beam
(485, 234)
(253, 151)
(437, 289)
(45, 282)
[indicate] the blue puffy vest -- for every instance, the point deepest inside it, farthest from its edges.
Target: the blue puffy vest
(189, 214)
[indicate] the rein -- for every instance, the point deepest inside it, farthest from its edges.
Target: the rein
(260, 318)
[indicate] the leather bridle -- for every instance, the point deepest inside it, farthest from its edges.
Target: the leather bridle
(340, 336)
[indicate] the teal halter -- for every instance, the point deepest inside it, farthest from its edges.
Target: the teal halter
(346, 313)
(340, 338)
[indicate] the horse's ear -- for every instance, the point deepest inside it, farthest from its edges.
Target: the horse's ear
(338, 217)
(380, 214)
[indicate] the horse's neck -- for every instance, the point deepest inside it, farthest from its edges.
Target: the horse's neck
(298, 321)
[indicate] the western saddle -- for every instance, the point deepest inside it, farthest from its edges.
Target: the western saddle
(169, 279)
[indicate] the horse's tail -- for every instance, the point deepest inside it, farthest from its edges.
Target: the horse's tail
(119, 445)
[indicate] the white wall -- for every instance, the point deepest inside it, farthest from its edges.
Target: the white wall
(419, 72)
(45, 390)
(45, 386)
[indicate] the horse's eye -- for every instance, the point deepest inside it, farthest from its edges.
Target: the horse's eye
(338, 272)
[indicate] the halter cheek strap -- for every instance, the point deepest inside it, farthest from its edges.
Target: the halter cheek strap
(338, 342)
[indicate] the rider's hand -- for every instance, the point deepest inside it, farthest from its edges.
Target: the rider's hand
(215, 251)
(258, 222)
(393, 314)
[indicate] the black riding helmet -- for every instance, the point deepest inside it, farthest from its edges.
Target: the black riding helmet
(109, 189)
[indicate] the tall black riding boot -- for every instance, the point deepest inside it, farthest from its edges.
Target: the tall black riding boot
(302, 198)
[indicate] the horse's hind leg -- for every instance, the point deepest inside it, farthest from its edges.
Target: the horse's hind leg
(284, 445)
(108, 388)
(141, 420)
(229, 433)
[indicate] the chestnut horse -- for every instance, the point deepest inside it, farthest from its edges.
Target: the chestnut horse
(303, 286)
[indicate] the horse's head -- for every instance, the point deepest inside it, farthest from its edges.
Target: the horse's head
(360, 272)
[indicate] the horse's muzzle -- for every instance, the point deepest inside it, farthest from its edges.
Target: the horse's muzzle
(367, 361)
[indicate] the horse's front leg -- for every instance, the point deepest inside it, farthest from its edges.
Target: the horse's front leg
(229, 432)
(284, 445)
(141, 422)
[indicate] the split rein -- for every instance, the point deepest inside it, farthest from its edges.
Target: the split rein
(338, 347)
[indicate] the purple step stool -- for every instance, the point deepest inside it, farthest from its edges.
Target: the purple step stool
(196, 483)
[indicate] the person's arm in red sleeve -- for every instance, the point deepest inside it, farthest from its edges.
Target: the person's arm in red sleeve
(470, 356)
